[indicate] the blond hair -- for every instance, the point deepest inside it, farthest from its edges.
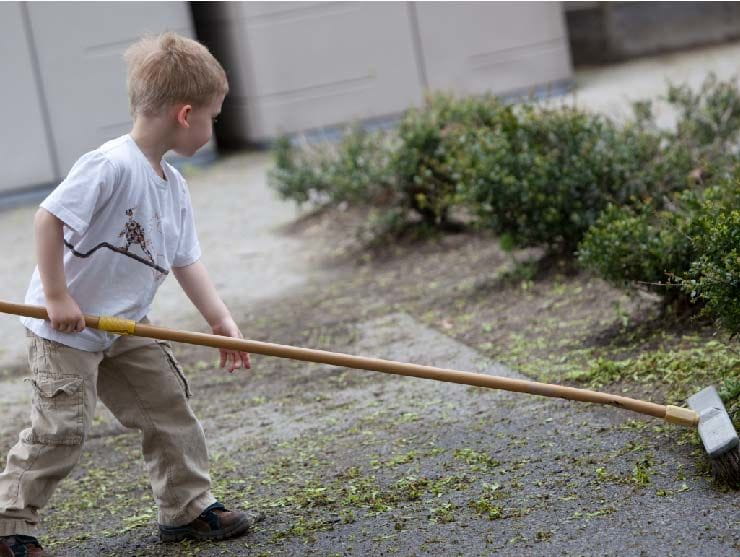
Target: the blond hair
(167, 69)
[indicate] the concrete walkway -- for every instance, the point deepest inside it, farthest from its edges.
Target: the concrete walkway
(238, 216)
(612, 89)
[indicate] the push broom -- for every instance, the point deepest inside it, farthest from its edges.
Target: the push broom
(706, 412)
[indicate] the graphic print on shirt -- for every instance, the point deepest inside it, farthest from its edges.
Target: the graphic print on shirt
(134, 235)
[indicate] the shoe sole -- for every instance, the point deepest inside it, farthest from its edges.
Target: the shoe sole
(233, 531)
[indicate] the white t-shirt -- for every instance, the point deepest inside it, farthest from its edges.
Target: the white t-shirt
(125, 228)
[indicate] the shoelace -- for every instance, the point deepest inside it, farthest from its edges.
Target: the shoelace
(211, 517)
(213, 507)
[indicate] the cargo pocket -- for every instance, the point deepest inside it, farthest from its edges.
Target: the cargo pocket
(56, 413)
(175, 366)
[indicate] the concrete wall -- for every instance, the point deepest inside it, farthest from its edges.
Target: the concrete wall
(295, 66)
(24, 142)
(603, 32)
(497, 47)
(64, 80)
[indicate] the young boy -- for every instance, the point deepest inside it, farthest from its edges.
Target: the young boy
(106, 238)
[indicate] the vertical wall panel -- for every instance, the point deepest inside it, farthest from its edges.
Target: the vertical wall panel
(80, 46)
(501, 47)
(24, 148)
(322, 63)
(293, 66)
(302, 65)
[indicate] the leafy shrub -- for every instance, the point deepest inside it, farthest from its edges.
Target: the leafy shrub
(533, 174)
(297, 175)
(671, 163)
(423, 163)
(714, 276)
(357, 169)
(657, 249)
(709, 117)
(656, 242)
(404, 171)
(702, 142)
(543, 176)
(642, 245)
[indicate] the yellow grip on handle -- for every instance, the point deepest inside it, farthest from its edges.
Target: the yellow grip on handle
(116, 325)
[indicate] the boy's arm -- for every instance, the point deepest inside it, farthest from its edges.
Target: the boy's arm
(64, 313)
(198, 286)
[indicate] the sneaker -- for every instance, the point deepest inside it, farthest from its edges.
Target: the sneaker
(21, 546)
(214, 523)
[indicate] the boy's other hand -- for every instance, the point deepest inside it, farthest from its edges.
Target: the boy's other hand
(231, 359)
(65, 314)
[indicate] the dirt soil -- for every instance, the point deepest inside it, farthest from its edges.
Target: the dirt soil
(346, 462)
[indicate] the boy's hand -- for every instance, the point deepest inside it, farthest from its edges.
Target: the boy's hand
(65, 314)
(231, 359)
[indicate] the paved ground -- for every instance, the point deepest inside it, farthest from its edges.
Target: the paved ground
(347, 462)
(611, 89)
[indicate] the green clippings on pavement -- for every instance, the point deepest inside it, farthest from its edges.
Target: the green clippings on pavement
(478, 461)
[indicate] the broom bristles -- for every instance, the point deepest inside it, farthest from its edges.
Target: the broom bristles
(726, 467)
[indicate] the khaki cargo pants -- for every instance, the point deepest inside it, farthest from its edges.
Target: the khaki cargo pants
(142, 384)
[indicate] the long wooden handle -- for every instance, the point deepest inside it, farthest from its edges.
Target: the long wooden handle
(670, 413)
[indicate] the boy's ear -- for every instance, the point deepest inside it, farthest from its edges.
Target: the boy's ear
(183, 115)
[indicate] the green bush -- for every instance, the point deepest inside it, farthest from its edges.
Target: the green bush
(670, 161)
(714, 276)
(359, 168)
(297, 176)
(702, 142)
(423, 163)
(356, 169)
(708, 118)
(536, 175)
(542, 176)
(656, 242)
(405, 171)
(642, 245)
(658, 249)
